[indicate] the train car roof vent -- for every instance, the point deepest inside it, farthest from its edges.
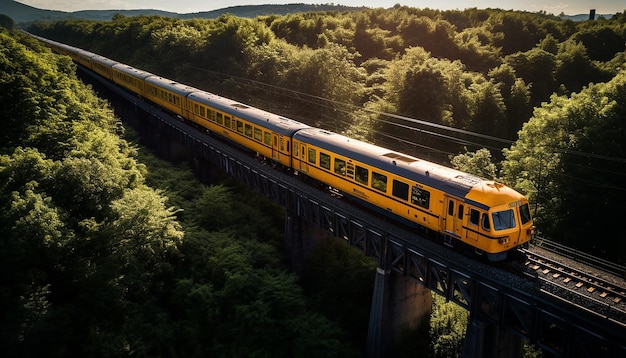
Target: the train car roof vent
(239, 105)
(466, 180)
(400, 157)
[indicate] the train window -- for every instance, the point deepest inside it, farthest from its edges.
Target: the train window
(420, 197)
(379, 182)
(202, 111)
(258, 134)
(324, 160)
(340, 166)
(267, 139)
(312, 156)
(400, 190)
(239, 126)
(362, 175)
(474, 215)
(524, 213)
(485, 222)
(218, 119)
(451, 208)
(460, 213)
(296, 149)
(282, 143)
(503, 219)
(196, 109)
(248, 130)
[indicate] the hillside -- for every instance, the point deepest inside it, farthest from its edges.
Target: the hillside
(22, 13)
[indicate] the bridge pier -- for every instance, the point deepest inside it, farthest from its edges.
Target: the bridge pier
(485, 339)
(301, 237)
(398, 303)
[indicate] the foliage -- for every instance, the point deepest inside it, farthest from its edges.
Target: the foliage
(340, 281)
(324, 55)
(448, 323)
(478, 163)
(569, 159)
(94, 261)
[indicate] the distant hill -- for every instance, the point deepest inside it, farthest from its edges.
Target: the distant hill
(22, 13)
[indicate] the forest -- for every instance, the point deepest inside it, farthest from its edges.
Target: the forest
(114, 250)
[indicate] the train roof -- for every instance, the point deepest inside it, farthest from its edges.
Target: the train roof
(132, 71)
(171, 85)
(277, 123)
(428, 173)
(104, 60)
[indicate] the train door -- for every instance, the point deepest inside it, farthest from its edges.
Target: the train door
(454, 217)
(275, 147)
(304, 167)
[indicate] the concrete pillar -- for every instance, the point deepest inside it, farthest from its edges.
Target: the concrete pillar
(484, 339)
(301, 237)
(398, 303)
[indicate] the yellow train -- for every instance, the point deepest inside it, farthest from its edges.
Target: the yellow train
(463, 209)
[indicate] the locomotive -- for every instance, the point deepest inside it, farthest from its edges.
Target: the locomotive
(484, 215)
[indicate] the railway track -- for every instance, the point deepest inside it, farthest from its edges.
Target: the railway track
(598, 293)
(580, 256)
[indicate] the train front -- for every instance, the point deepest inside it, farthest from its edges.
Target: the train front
(508, 221)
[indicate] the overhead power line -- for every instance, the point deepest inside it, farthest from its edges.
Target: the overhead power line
(339, 106)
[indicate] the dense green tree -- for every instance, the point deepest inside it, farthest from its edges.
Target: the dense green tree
(520, 32)
(478, 163)
(574, 68)
(602, 42)
(476, 49)
(538, 69)
(568, 160)
(516, 96)
(417, 85)
(448, 323)
(340, 281)
(487, 109)
(326, 73)
(436, 37)
(549, 44)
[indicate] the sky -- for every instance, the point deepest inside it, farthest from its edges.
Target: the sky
(568, 7)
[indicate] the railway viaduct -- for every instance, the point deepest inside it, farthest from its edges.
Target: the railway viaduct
(503, 310)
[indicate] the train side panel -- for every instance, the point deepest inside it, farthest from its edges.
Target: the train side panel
(103, 66)
(168, 94)
(416, 203)
(266, 134)
(131, 78)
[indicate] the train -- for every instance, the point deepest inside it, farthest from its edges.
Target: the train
(485, 216)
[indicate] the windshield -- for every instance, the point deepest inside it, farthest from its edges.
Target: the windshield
(524, 212)
(503, 219)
